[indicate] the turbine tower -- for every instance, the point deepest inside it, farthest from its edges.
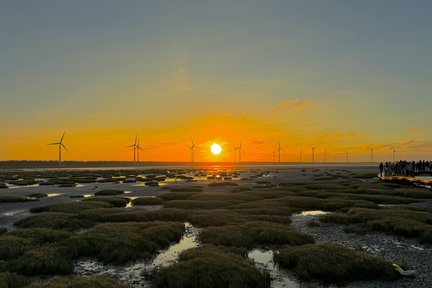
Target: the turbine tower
(347, 156)
(240, 149)
(301, 154)
(134, 146)
(313, 153)
(394, 153)
(138, 149)
(60, 146)
(372, 154)
(279, 149)
(325, 155)
(192, 150)
(274, 155)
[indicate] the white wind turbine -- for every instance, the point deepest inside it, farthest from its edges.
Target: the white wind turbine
(279, 149)
(60, 147)
(192, 150)
(138, 149)
(239, 149)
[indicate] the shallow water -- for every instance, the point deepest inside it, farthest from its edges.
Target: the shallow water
(313, 213)
(264, 259)
(135, 274)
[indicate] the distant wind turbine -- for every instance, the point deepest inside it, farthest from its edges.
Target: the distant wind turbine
(325, 155)
(274, 155)
(347, 156)
(239, 149)
(60, 146)
(301, 154)
(313, 153)
(279, 149)
(192, 150)
(372, 154)
(134, 148)
(394, 153)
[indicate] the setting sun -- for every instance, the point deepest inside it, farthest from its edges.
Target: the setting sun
(216, 149)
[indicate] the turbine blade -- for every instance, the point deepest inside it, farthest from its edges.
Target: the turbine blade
(133, 145)
(61, 139)
(64, 147)
(55, 143)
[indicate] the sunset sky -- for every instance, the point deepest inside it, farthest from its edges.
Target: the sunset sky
(342, 75)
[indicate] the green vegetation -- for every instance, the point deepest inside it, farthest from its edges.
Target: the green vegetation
(332, 263)
(208, 266)
(15, 198)
(147, 201)
(109, 192)
(185, 188)
(79, 282)
(253, 234)
(73, 207)
(222, 184)
(41, 235)
(118, 243)
(54, 220)
(176, 196)
(12, 280)
(114, 201)
(37, 195)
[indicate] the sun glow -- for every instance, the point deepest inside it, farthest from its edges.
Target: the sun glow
(216, 149)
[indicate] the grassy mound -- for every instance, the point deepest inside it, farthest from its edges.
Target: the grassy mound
(118, 243)
(109, 192)
(79, 282)
(54, 220)
(333, 263)
(399, 221)
(12, 246)
(74, 207)
(12, 280)
(253, 234)
(15, 198)
(41, 235)
(114, 201)
(176, 196)
(147, 201)
(208, 266)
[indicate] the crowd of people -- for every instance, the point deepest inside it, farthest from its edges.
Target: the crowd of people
(405, 168)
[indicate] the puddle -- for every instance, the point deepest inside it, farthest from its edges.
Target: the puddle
(129, 205)
(53, 194)
(14, 212)
(88, 195)
(264, 259)
(135, 274)
(313, 213)
(11, 186)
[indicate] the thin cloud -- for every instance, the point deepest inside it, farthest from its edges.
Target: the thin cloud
(294, 105)
(414, 128)
(338, 135)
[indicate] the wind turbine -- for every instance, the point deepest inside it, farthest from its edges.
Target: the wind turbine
(192, 150)
(301, 154)
(239, 148)
(134, 146)
(274, 155)
(347, 156)
(325, 155)
(279, 149)
(138, 149)
(394, 153)
(60, 146)
(313, 153)
(372, 154)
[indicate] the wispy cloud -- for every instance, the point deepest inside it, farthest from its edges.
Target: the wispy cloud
(414, 128)
(294, 104)
(338, 136)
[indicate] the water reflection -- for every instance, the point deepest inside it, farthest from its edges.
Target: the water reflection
(264, 259)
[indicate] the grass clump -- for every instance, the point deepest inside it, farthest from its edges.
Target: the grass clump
(208, 266)
(147, 201)
(222, 184)
(41, 235)
(118, 243)
(12, 246)
(176, 196)
(12, 280)
(54, 220)
(109, 192)
(79, 282)
(15, 198)
(253, 234)
(114, 201)
(196, 204)
(185, 188)
(333, 263)
(43, 260)
(74, 207)
(37, 195)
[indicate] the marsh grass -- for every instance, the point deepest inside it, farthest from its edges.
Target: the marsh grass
(208, 266)
(176, 196)
(12, 280)
(12, 246)
(54, 220)
(333, 263)
(185, 188)
(37, 236)
(73, 207)
(403, 222)
(118, 243)
(15, 198)
(253, 234)
(147, 201)
(114, 201)
(109, 192)
(78, 282)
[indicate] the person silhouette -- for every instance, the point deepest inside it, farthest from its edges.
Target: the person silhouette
(381, 167)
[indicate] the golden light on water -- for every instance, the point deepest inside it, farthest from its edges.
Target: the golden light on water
(216, 149)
